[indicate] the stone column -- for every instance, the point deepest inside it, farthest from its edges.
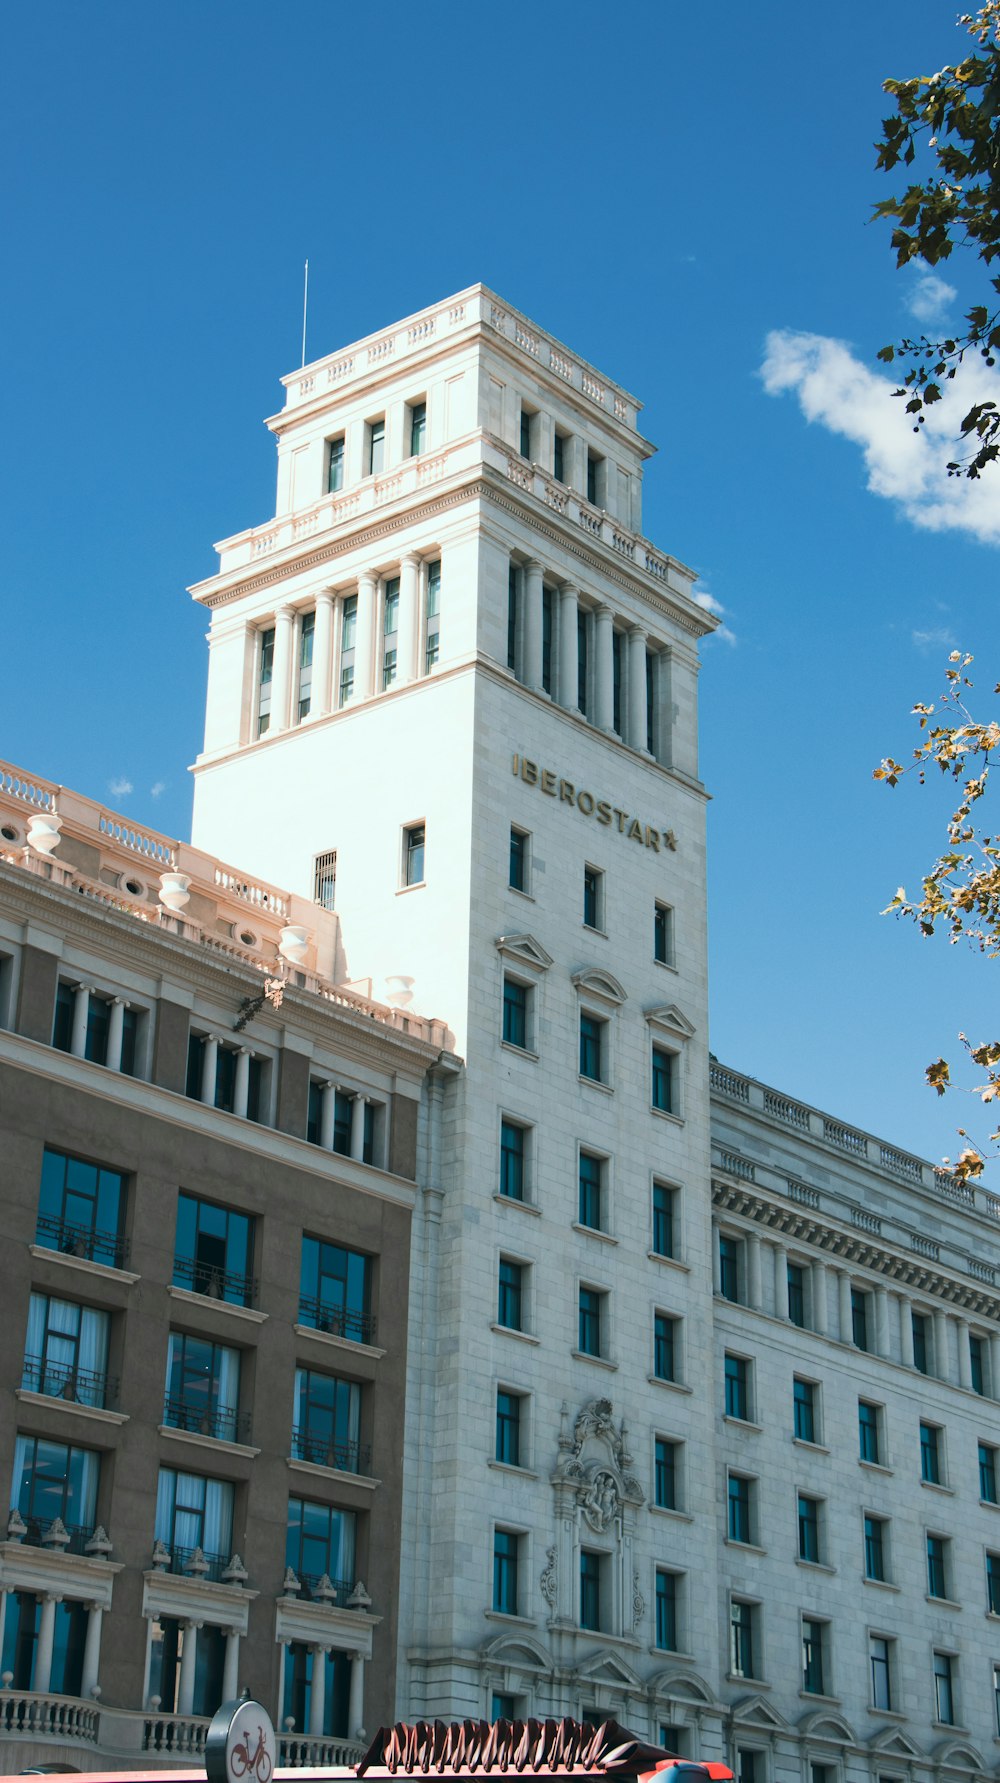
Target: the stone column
(91, 1651)
(46, 1633)
(231, 1666)
(780, 1282)
(283, 1647)
(358, 1106)
(753, 1271)
(281, 680)
(569, 676)
(637, 688)
(317, 1695)
(820, 1306)
(185, 1692)
(209, 1062)
(532, 625)
(241, 1087)
(942, 1357)
(327, 1110)
(408, 633)
(882, 1322)
(116, 1028)
(964, 1358)
(846, 1321)
(322, 652)
(81, 1011)
(905, 1332)
(356, 1703)
(604, 679)
(364, 636)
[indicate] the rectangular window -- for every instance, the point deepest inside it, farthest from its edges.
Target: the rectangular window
(265, 677)
(516, 1012)
(590, 1589)
(432, 625)
(559, 444)
(652, 701)
(617, 673)
(592, 1047)
(729, 1267)
(582, 660)
(527, 432)
(590, 1323)
(97, 1033)
(663, 1219)
(418, 428)
(194, 1512)
(665, 1347)
(987, 1473)
(508, 1432)
(512, 619)
(813, 1656)
(506, 1557)
(413, 854)
(738, 1388)
(666, 1611)
(993, 1584)
(593, 471)
(321, 1540)
(750, 1765)
(869, 1432)
(513, 1147)
(663, 938)
(875, 1549)
(593, 898)
(335, 466)
(741, 1638)
(738, 1527)
(335, 1290)
(307, 635)
(66, 1351)
(510, 1295)
(591, 1186)
(921, 1347)
(796, 1295)
(213, 1251)
(390, 630)
(81, 1209)
(665, 1474)
(548, 633)
(977, 1363)
(327, 1422)
(663, 1089)
(503, 1707)
(930, 1454)
(937, 1580)
(517, 877)
(859, 1318)
(325, 879)
(944, 1689)
(376, 446)
(804, 1410)
(53, 1481)
(203, 1387)
(348, 641)
(879, 1655)
(809, 1529)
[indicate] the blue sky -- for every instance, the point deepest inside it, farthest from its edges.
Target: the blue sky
(683, 198)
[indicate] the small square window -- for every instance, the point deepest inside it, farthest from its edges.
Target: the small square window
(593, 1047)
(666, 1347)
(738, 1388)
(510, 1294)
(509, 1429)
(591, 1174)
(513, 1160)
(517, 1011)
(518, 873)
(506, 1567)
(666, 1474)
(593, 898)
(664, 1084)
(870, 1432)
(930, 1454)
(664, 1219)
(805, 1421)
(591, 1321)
(663, 934)
(414, 838)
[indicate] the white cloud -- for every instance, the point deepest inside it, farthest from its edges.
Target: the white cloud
(118, 788)
(702, 598)
(158, 787)
(847, 397)
(930, 298)
(937, 638)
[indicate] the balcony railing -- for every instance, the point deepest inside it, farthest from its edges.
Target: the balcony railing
(36, 1529)
(223, 1422)
(183, 1736)
(43, 1716)
(321, 1449)
(214, 1283)
(62, 1380)
(340, 1321)
(82, 1241)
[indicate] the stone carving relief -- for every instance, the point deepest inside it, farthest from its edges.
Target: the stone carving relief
(550, 1577)
(596, 1461)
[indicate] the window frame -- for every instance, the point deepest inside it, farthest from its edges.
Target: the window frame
(663, 934)
(813, 1403)
(665, 1080)
(742, 1392)
(669, 1214)
(599, 1311)
(511, 1428)
(521, 1153)
(524, 859)
(593, 898)
(511, 1292)
(592, 1192)
(667, 1347)
(413, 852)
(597, 1042)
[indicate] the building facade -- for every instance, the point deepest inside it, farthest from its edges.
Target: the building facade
(209, 1172)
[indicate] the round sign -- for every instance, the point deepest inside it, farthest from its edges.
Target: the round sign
(240, 1746)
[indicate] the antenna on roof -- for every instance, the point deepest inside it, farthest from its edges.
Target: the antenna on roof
(305, 307)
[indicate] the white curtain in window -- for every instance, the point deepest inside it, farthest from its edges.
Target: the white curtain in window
(228, 1393)
(163, 1527)
(342, 1545)
(93, 1354)
(20, 1456)
(218, 1517)
(35, 1337)
(354, 1415)
(90, 1470)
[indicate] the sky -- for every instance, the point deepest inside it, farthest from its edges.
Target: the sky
(683, 195)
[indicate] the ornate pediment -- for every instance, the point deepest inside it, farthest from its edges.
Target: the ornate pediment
(673, 1020)
(594, 983)
(526, 950)
(893, 1744)
(596, 1462)
(610, 1669)
(755, 1711)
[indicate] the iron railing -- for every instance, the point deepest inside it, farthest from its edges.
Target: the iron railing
(215, 1283)
(89, 1242)
(64, 1380)
(340, 1321)
(321, 1449)
(223, 1422)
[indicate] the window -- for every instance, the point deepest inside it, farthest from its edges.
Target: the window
(20, 1644)
(213, 1251)
(930, 1454)
(341, 1135)
(666, 1346)
(223, 1087)
(326, 1427)
(348, 641)
(390, 631)
(593, 898)
(265, 678)
(814, 1636)
(738, 1521)
(418, 428)
(194, 1512)
(796, 1295)
(52, 1480)
(506, 1558)
(203, 1387)
(996, 1698)
(859, 1318)
(652, 700)
(548, 633)
(592, 1047)
(66, 1351)
(809, 1529)
(987, 1473)
(517, 877)
(307, 635)
(590, 1322)
(921, 1347)
(993, 1584)
(508, 1432)
(590, 1589)
(512, 618)
(376, 446)
(663, 934)
(880, 1656)
(751, 1766)
(737, 1388)
(977, 1363)
(663, 1087)
(517, 1001)
(944, 1688)
(937, 1579)
(875, 1549)
(527, 436)
(591, 1185)
(729, 1267)
(99, 1039)
(305, 1666)
(321, 1540)
(582, 661)
(742, 1629)
(617, 671)
(870, 1432)
(81, 1209)
(335, 465)
(664, 1200)
(413, 854)
(666, 1474)
(666, 1610)
(594, 467)
(325, 879)
(804, 1420)
(510, 1295)
(513, 1152)
(432, 626)
(335, 1291)
(673, 1739)
(559, 443)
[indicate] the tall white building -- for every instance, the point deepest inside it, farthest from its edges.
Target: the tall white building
(453, 688)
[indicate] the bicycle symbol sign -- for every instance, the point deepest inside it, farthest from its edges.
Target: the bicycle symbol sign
(241, 1745)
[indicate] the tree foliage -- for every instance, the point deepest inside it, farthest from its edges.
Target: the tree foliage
(952, 121)
(961, 893)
